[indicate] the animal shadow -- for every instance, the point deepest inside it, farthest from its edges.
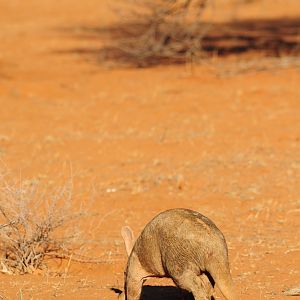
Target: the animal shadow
(163, 293)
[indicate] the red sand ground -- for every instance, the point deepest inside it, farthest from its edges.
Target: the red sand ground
(148, 140)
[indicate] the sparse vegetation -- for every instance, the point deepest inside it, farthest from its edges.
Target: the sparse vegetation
(36, 223)
(160, 30)
(185, 31)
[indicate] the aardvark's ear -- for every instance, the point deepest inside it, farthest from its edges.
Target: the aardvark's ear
(127, 235)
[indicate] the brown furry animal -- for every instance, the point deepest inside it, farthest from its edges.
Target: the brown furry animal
(183, 245)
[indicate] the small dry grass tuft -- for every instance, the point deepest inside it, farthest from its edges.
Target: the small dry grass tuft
(36, 223)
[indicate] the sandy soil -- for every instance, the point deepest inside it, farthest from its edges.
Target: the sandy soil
(220, 141)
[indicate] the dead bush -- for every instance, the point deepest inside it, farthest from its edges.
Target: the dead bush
(158, 30)
(37, 222)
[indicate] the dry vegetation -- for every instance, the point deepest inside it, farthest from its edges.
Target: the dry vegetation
(184, 31)
(37, 222)
(152, 31)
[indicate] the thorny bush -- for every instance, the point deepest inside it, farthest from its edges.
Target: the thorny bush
(156, 30)
(36, 223)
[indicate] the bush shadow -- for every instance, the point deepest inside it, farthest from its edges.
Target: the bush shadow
(268, 37)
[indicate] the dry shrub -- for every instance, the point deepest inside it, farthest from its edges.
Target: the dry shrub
(37, 223)
(160, 30)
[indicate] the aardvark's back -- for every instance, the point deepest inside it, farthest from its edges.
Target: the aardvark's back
(182, 236)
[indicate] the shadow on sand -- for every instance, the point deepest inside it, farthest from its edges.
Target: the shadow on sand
(162, 293)
(269, 37)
